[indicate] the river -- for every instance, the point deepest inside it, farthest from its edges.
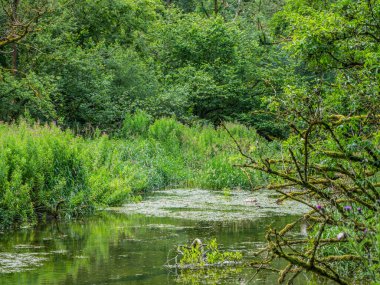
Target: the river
(132, 244)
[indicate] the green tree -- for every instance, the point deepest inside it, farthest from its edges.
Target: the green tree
(22, 90)
(219, 69)
(90, 51)
(331, 160)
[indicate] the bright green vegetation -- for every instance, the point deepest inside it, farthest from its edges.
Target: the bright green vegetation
(196, 262)
(198, 254)
(159, 77)
(48, 172)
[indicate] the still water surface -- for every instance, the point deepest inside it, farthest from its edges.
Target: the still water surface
(131, 244)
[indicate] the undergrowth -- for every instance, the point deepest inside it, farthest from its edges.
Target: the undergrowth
(48, 172)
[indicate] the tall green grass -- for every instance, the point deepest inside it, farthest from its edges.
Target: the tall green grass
(41, 172)
(45, 171)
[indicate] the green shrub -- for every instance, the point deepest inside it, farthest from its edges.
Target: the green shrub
(136, 124)
(167, 131)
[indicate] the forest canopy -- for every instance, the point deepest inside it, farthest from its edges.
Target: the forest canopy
(87, 64)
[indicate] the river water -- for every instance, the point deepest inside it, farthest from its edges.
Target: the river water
(132, 244)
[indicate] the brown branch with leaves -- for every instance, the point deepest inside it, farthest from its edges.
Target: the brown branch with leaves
(341, 188)
(18, 25)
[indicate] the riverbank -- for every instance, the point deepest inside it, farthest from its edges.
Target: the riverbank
(47, 172)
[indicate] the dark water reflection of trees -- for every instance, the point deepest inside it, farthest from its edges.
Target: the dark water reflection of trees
(127, 249)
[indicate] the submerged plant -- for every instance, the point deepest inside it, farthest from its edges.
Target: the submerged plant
(205, 263)
(198, 255)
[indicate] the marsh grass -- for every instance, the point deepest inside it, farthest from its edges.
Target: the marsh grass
(41, 173)
(46, 172)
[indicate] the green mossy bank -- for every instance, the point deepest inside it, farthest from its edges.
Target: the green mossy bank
(47, 172)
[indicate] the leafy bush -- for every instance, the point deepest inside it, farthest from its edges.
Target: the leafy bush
(136, 124)
(167, 131)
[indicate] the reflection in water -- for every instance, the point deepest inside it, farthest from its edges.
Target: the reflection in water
(125, 249)
(303, 228)
(132, 247)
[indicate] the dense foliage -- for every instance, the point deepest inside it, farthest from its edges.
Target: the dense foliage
(302, 72)
(86, 64)
(46, 172)
(331, 160)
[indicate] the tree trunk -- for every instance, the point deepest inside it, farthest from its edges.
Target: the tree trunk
(15, 4)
